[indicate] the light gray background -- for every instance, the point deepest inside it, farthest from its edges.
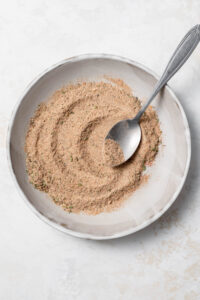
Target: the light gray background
(36, 261)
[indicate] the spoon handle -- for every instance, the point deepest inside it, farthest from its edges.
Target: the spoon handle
(181, 54)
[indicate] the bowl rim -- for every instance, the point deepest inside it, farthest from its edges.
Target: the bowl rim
(58, 226)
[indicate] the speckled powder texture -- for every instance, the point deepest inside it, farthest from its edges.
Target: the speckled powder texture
(113, 154)
(64, 142)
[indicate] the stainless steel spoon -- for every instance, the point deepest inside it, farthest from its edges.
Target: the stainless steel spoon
(127, 133)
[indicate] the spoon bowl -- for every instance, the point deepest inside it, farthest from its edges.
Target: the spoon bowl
(127, 133)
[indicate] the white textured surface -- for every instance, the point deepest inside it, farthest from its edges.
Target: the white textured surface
(36, 261)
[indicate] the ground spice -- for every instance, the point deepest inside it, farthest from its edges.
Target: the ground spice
(113, 154)
(64, 146)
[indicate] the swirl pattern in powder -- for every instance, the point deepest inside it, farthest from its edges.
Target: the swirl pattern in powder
(64, 144)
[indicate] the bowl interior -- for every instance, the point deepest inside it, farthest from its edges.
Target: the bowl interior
(166, 175)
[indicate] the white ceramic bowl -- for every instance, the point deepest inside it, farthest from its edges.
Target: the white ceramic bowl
(167, 175)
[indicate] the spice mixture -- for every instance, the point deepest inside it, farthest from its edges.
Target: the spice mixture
(64, 142)
(113, 154)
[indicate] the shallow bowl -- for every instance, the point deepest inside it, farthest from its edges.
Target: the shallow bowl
(167, 175)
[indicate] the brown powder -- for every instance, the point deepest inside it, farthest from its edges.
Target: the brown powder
(64, 146)
(113, 154)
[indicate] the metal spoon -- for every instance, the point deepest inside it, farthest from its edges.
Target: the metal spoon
(127, 133)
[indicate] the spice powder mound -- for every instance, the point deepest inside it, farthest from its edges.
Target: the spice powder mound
(113, 154)
(64, 143)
